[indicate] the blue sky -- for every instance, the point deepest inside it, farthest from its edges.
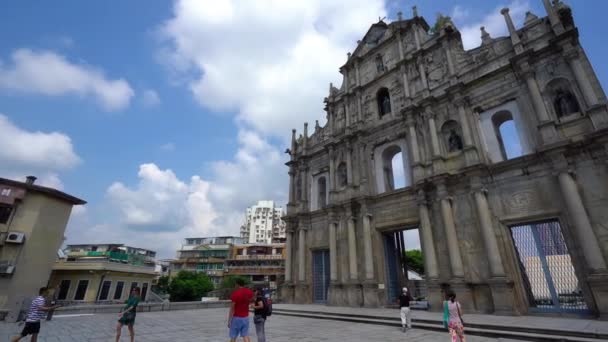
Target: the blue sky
(170, 118)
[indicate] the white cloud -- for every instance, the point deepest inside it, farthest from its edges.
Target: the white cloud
(150, 98)
(41, 154)
(168, 147)
(268, 61)
(48, 73)
(494, 23)
(459, 13)
(161, 204)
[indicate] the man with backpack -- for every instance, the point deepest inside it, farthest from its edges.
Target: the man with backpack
(262, 308)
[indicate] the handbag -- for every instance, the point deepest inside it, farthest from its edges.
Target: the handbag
(446, 314)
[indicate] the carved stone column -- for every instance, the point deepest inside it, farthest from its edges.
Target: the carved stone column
(417, 169)
(288, 259)
(546, 126)
(367, 247)
(428, 243)
(352, 250)
(582, 226)
(292, 185)
(488, 234)
(448, 56)
(425, 84)
(556, 24)
(573, 57)
(450, 232)
(471, 155)
(301, 254)
(515, 40)
(346, 112)
(349, 165)
(333, 261)
(359, 106)
(332, 170)
(406, 84)
(434, 137)
(357, 74)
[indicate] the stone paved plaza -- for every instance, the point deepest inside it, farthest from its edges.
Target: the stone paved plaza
(208, 325)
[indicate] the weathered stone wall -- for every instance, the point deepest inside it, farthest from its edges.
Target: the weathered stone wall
(464, 195)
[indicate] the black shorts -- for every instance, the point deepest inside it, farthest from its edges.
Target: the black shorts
(30, 328)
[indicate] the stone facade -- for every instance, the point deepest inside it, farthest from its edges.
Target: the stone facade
(405, 90)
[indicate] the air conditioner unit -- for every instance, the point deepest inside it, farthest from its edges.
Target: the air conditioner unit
(6, 268)
(15, 237)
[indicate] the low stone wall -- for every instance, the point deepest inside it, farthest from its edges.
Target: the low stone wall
(142, 307)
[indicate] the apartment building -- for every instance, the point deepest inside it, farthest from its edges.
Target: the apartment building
(102, 273)
(263, 223)
(33, 219)
(205, 254)
(263, 264)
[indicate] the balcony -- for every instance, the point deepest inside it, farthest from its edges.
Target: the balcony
(254, 270)
(101, 265)
(258, 257)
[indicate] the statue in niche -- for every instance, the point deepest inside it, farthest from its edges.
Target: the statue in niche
(342, 175)
(299, 188)
(565, 103)
(386, 105)
(379, 64)
(322, 194)
(454, 141)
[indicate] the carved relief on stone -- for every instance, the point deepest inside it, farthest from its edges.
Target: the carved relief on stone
(367, 106)
(436, 67)
(484, 55)
(523, 200)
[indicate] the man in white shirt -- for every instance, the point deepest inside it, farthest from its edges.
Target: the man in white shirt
(35, 314)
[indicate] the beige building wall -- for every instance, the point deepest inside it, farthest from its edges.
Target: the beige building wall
(94, 285)
(43, 220)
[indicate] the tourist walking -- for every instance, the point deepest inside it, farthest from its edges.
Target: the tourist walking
(127, 315)
(238, 317)
(452, 318)
(404, 307)
(36, 312)
(259, 315)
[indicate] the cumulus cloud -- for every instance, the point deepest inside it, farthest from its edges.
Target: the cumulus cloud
(494, 23)
(150, 98)
(269, 62)
(168, 147)
(51, 74)
(43, 154)
(162, 204)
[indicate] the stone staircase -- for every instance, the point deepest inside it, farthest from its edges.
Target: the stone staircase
(524, 333)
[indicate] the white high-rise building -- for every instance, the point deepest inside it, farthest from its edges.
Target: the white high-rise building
(263, 223)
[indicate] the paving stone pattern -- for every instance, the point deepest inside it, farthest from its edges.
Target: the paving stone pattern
(209, 326)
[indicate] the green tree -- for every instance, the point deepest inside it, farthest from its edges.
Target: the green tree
(442, 20)
(189, 286)
(414, 260)
(162, 286)
(229, 282)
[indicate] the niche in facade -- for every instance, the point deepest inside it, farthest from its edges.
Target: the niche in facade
(452, 136)
(392, 166)
(384, 101)
(320, 194)
(562, 98)
(503, 132)
(379, 64)
(342, 175)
